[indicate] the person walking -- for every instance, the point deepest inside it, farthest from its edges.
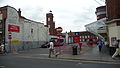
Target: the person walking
(117, 52)
(51, 49)
(106, 44)
(100, 43)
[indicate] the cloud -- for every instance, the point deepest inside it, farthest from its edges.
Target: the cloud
(69, 14)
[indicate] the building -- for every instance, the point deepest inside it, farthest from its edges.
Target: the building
(99, 27)
(50, 23)
(18, 32)
(113, 22)
(114, 9)
(100, 12)
(84, 36)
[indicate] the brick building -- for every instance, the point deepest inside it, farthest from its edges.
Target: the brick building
(84, 36)
(113, 20)
(50, 23)
(113, 9)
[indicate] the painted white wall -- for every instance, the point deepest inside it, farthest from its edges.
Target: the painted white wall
(40, 33)
(13, 19)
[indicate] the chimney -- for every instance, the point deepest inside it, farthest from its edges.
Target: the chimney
(19, 12)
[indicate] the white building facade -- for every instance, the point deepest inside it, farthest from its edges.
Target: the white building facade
(25, 33)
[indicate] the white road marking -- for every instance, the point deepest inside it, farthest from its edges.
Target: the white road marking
(2, 66)
(80, 63)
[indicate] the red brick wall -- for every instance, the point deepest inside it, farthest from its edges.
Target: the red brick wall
(50, 23)
(113, 9)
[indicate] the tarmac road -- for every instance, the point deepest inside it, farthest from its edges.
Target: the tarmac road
(31, 61)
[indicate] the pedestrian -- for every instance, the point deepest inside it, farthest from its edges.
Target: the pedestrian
(51, 48)
(117, 52)
(106, 44)
(2, 47)
(100, 43)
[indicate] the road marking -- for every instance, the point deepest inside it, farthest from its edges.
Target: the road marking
(2, 66)
(80, 61)
(101, 62)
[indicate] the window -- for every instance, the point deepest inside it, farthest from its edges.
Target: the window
(31, 30)
(48, 19)
(88, 36)
(80, 36)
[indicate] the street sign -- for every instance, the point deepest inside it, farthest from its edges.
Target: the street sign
(59, 29)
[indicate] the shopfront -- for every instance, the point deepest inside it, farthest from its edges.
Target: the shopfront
(114, 34)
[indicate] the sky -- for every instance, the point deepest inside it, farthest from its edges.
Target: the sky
(69, 14)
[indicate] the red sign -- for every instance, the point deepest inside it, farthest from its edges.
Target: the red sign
(13, 28)
(76, 39)
(59, 29)
(118, 23)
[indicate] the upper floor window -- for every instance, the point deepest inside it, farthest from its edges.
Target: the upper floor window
(48, 19)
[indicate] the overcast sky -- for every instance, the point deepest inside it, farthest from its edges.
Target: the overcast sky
(68, 14)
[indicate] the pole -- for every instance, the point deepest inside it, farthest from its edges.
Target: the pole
(10, 50)
(9, 37)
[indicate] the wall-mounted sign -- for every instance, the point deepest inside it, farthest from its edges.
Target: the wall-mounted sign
(13, 28)
(15, 41)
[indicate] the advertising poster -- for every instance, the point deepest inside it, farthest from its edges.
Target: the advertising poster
(113, 41)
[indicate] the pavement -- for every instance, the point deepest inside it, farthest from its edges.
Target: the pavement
(87, 54)
(90, 54)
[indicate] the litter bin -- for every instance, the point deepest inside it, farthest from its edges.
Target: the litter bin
(74, 50)
(112, 50)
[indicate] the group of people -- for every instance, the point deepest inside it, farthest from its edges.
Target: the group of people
(100, 44)
(116, 44)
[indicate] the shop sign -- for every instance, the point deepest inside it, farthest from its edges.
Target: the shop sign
(13, 28)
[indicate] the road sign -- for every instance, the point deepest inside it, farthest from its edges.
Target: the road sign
(59, 29)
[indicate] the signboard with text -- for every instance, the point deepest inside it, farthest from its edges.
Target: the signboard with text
(13, 28)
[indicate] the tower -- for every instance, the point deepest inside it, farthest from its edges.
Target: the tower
(50, 23)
